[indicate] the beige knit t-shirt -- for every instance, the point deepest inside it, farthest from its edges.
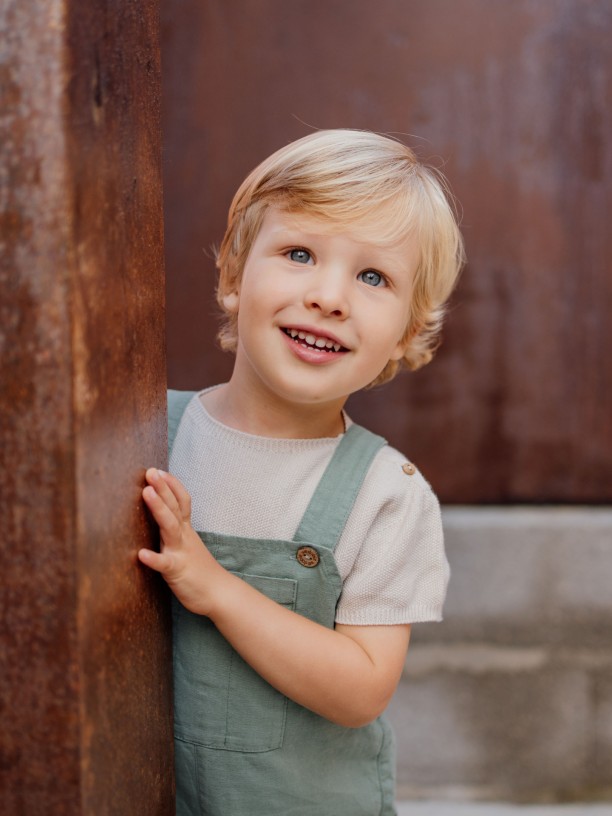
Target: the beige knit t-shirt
(390, 555)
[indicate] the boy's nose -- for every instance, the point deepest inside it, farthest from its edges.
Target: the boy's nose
(329, 296)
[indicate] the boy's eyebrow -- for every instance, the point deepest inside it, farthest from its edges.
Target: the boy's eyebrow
(293, 230)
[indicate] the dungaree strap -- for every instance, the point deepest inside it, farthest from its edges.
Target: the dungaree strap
(335, 495)
(177, 402)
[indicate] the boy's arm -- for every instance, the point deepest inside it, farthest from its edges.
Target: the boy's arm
(346, 674)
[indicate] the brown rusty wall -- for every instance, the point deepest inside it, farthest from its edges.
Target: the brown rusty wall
(39, 674)
(85, 677)
(514, 102)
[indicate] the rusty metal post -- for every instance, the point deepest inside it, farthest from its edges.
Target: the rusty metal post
(85, 692)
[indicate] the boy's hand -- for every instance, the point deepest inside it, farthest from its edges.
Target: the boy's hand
(189, 569)
(346, 674)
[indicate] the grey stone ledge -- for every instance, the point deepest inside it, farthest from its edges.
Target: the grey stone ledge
(477, 658)
(438, 808)
(543, 517)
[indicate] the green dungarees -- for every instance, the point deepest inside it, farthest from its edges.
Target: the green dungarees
(242, 748)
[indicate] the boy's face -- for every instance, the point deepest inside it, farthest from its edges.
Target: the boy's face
(320, 313)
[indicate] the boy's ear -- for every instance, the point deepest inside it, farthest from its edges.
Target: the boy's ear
(230, 301)
(410, 333)
(400, 349)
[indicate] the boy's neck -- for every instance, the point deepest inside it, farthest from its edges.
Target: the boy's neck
(272, 419)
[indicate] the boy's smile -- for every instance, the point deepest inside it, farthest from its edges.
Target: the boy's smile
(323, 345)
(320, 314)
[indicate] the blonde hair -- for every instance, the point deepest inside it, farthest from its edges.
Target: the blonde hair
(354, 178)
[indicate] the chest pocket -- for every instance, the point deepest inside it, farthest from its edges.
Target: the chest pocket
(220, 701)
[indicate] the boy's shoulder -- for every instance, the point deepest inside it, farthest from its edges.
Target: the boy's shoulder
(398, 477)
(389, 461)
(396, 506)
(396, 465)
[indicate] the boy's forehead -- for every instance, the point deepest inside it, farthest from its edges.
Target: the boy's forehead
(364, 230)
(279, 220)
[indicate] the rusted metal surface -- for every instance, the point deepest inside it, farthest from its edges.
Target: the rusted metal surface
(517, 99)
(85, 677)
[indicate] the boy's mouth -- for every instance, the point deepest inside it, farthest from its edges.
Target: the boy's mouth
(315, 341)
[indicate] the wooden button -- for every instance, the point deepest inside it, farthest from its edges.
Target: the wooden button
(409, 469)
(307, 556)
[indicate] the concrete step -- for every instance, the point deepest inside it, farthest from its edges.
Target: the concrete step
(477, 721)
(528, 576)
(433, 808)
(510, 699)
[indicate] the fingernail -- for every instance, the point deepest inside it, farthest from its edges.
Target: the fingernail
(161, 472)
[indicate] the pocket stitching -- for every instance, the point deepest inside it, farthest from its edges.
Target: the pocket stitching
(224, 740)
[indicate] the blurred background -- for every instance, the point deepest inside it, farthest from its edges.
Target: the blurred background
(511, 697)
(513, 101)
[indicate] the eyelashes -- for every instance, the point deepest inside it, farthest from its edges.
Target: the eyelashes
(370, 277)
(300, 255)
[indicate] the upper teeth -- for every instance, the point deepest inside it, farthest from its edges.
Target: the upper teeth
(313, 340)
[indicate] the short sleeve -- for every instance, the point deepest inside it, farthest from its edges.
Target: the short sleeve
(391, 553)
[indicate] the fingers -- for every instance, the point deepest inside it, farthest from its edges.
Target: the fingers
(182, 496)
(171, 491)
(168, 520)
(156, 479)
(156, 561)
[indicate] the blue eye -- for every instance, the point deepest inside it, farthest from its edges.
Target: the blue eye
(372, 278)
(300, 256)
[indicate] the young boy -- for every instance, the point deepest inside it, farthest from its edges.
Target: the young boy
(317, 545)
